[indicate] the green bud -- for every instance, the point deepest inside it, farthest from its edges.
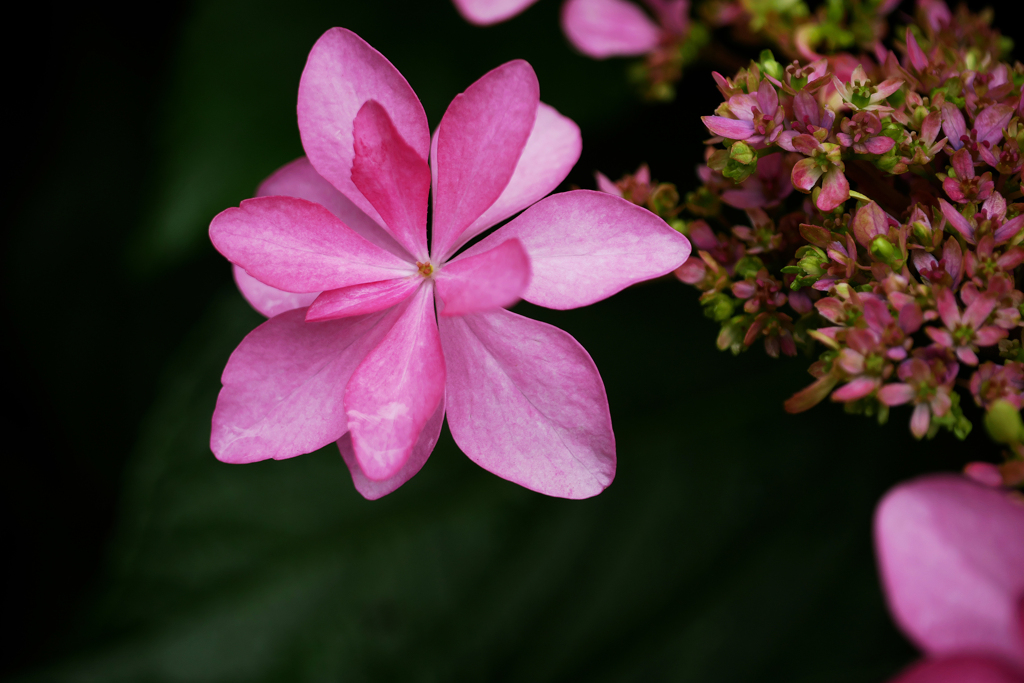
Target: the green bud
(770, 66)
(741, 153)
(748, 266)
(882, 249)
(678, 224)
(922, 232)
(1003, 423)
(719, 306)
(919, 115)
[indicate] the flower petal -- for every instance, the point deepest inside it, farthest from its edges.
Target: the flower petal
(953, 125)
(957, 220)
(551, 151)
(341, 74)
(605, 184)
(484, 281)
(585, 246)
(858, 388)
(526, 402)
(868, 223)
(299, 246)
(991, 121)
(479, 143)
(896, 394)
(361, 299)
(805, 174)
(283, 386)
(396, 389)
(371, 489)
(950, 554)
(733, 129)
(392, 176)
(268, 300)
(608, 28)
(487, 12)
(959, 669)
(835, 190)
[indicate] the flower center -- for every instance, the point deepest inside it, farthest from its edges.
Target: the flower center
(425, 269)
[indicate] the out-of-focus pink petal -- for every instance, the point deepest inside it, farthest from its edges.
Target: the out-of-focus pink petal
(487, 12)
(609, 28)
(988, 336)
(920, 420)
(950, 553)
(396, 389)
(957, 220)
(896, 394)
(361, 299)
(341, 74)
(915, 53)
(605, 184)
(526, 402)
(479, 143)
(283, 386)
(911, 318)
(551, 151)
(299, 246)
(858, 388)
(835, 189)
(962, 669)
(734, 129)
(945, 303)
(978, 312)
(392, 176)
(1009, 229)
(484, 281)
(371, 489)
(585, 246)
(266, 299)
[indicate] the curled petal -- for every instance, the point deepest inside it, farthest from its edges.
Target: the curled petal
(835, 189)
(805, 174)
(484, 281)
(608, 28)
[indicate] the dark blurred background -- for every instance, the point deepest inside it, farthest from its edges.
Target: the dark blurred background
(734, 544)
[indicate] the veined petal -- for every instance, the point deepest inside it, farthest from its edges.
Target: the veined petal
(733, 129)
(283, 386)
(299, 246)
(915, 53)
(268, 300)
(608, 28)
(950, 553)
(805, 174)
(526, 402)
(396, 389)
(835, 189)
(479, 143)
(362, 299)
(487, 12)
(551, 151)
(392, 176)
(585, 246)
(953, 125)
(371, 489)
(341, 74)
(484, 281)
(991, 121)
(957, 220)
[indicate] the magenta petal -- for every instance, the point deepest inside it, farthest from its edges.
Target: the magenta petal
(978, 312)
(835, 190)
(551, 151)
(916, 54)
(608, 28)
(484, 281)
(950, 553)
(959, 669)
(733, 129)
(605, 184)
(991, 121)
(341, 74)
(371, 489)
(361, 299)
(299, 246)
(957, 220)
(487, 12)
(945, 303)
(1008, 230)
(953, 124)
(868, 223)
(266, 299)
(283, 386)
(585, 246)
(988, 336)
(479, 143)
(879, 144)
(805, 174)
(896, 394)
(396, 389)
(392, 177)
(526, 402)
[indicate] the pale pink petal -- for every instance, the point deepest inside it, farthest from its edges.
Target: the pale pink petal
(879, 145)
(896, 394)
(608, 28)
(392, 176)
(341, 74)
(835, 190)
(940, 336)
(479, 143)
(585, 246)
(988, 336)
(362, 299)
(484, 281)
(967, 355)
(396, 389)
(869, 222)
(767, 98)
(858, 388)
(805, 174)
(526, 402)
(950, 552)
(920, 420)
(733, 129)
(371, 489)
(957, 220)
(284, 384)
(551, 151)
(299, 246)
(915, 53)
(991, 121)
(960, 669)
(487, 12)
(266, 299)
(605, 184)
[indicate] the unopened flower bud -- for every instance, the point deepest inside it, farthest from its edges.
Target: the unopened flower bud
(741, 153)
(922, 232)
(719, 306)
(1003, 423)
(770, 66)
(883, 250)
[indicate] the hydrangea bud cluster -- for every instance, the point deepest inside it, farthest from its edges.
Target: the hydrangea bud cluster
(869, 209)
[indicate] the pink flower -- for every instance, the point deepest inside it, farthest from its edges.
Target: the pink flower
(860, 94)
(486, 12)
(367, 364)
(769, 185)
(990, 220)
(964, 333)
(927, 385)
(822, 159)
(994, 382)
(862, 133)
(964, 186)
(617, 28)
(759, 119)
(950, 553)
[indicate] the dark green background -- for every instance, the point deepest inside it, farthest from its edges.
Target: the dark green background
(734, 544)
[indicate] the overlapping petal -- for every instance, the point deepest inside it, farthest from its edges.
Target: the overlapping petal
(526, 402)
(361, 299)
(487, 12)
(609, 28)
(484, 281)
(268, 300)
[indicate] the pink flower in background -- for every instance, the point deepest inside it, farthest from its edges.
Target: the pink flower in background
(486, 12)
(336, 250)
(950, 553)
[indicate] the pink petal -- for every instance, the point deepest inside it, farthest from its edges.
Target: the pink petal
(486, 12)
(896, 394)
(283, 386)
(767, 98)
(920, 420)
(953, 124)
(396, 389)
(392, 176)
(950, 553)
(371, 489)
(479, 143)
(341, 74)
(526, 402)
(585, 246)
(991, 121)
(957, 220)
(869, 222)
(988, 336)
(805, 174)
(963, 164)
(978, 312)
(858, 388)
(362, 299)
(940, 336)
(967, 355)
(911, 318)
(605, 184)
(959, 669)
(733, 129)
(945, 303)
(551, 151)
(608, 28)
(835, 190)
(266, 299)
(879, 144)
(915, 53)
(1008, 229)
(484, 281)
